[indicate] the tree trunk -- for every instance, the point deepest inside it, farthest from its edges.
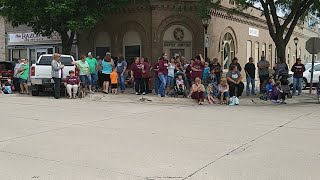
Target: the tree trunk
(67, 42)
(281, 49)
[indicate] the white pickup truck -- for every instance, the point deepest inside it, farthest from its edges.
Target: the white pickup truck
(40, 72)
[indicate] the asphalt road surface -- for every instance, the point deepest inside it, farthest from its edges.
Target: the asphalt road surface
(46, 139)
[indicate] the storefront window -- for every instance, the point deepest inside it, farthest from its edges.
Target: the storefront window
(32, 56)
(19, 53)
(50, 50)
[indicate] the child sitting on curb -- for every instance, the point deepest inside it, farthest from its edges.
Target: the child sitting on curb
(210, 94)
(223, 93)
(277, 94)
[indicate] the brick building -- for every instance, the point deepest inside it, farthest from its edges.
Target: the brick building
(157, 26)
(150, 29)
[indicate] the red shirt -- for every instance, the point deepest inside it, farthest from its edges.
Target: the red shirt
(137, 70)
(146, 70)
(163, 67)
(72, 80)
(199, 66)
(156, 68)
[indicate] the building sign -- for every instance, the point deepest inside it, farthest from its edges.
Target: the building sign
(32, 37)
(177, 44)
(253, 32)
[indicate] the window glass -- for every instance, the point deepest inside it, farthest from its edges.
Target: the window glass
(101, 51)
(46, 60)
(317, 68)
(131, 52)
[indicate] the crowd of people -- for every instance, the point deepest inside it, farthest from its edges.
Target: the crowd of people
(19, 81)
(203, 80)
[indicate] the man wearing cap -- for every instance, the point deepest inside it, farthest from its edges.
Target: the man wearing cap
(93, 65)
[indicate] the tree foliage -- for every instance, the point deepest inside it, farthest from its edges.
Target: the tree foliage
(280, 28)
(63, 16)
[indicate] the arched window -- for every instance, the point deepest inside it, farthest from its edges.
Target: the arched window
(227, 50)
(249, 50)
(102, 44)
(289, 53)
(256, 52)
(269, 57)
(264, 49)
(131, 46)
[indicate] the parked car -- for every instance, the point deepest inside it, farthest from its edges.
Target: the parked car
(40, 72)
(6, 70)
(307, 74)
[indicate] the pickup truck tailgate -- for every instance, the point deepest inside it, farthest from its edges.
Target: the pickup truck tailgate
(43, 71)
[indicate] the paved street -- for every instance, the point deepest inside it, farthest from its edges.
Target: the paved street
(99, 138)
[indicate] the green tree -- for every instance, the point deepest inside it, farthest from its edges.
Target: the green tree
(280, 28)
(63, 16)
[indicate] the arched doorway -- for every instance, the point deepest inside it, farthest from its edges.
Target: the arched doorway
(227, 50)
(131, 46)
(177, 41)
(102, 44)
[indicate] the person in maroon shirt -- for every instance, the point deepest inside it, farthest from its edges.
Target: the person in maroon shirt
(136, 75)
(146, 74)
(163, 73)
(72, 84)
(188, 73)
(197, 67)
(298, 69)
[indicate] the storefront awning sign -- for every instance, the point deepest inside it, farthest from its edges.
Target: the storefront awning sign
(32, 37)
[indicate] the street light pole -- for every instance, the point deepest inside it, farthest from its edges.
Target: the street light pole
(206, 43)
(206, 22)
(296, 41)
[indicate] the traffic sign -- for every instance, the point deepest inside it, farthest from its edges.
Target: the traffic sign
(313, 45)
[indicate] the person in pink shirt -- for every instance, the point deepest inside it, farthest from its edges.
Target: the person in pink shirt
(136, 75)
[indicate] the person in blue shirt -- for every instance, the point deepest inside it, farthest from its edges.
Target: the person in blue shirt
(107, 65)
(7, 88)
(206, 71)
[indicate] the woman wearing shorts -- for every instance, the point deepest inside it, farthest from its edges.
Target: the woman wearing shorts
(106, 71)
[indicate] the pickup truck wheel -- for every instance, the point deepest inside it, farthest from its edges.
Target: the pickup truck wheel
(304, 83)
(35, 91)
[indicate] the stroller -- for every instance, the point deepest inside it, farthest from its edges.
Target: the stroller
(283, 76)
(179, 90)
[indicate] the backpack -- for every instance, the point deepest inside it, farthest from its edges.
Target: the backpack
(233, 101)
